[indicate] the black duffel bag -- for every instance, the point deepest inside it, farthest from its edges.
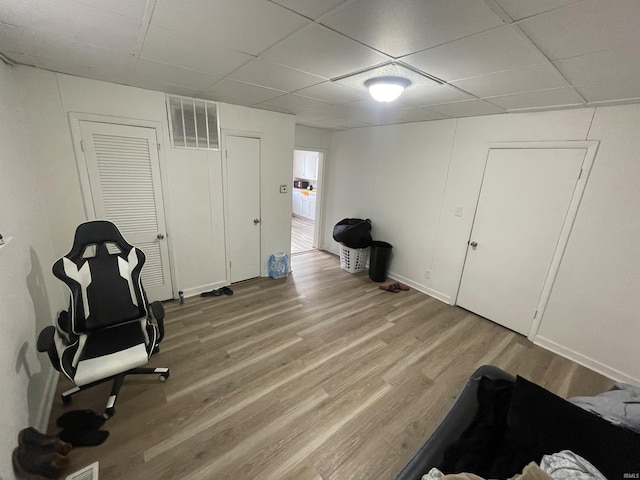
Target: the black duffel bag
(353, 232)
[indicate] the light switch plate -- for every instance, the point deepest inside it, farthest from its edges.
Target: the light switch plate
(284, 188)
(458, 212)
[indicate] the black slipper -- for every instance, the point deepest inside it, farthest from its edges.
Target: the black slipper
(227, 291)
(83, 438)
(212, 293)
(80, 420)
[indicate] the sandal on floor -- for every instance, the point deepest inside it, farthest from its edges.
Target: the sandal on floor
(212, 293)
(227, 291)
(399, 286)
(389, 288)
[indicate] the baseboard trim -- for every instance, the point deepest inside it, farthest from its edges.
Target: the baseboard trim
(415, 285)
(192, 292)
(585, 361)
(44, 411)
(421, 288)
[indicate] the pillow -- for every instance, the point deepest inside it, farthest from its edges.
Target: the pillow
(539, 423)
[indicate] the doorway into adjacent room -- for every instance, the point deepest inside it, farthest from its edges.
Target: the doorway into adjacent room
(306, 195)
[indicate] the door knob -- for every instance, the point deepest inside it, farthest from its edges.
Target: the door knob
(256, 221)
(160, 236)
(474, 245)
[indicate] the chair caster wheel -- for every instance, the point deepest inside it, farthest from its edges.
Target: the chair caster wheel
(163, 377)
(108, 413)
(66, 400)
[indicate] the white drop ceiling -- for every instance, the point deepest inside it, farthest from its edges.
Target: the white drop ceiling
(311, 57)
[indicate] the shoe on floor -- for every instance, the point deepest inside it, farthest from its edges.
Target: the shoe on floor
(390, 288)
(30, 438)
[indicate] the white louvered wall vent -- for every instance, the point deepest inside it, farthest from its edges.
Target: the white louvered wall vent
(87, 473)
(193, 123)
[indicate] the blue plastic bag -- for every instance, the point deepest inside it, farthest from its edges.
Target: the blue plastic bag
(279, 265)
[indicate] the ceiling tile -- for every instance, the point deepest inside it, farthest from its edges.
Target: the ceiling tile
(65, 56)
(618, 88)
(420, 97)
(421, 114)
(160, 86)
(70, 21)
(529, 79)
(390, 70)
(295, 103)
(150, 70)
(165, 46)
(467, 108)
(267, 74)
(249, 26)
(488, 52)
(600, 67)
(398, 28)
(324, 113)
(519, 9)
(273, 108)
(545, 98)
(332, 92)
(310, 8)
(585, 27)
(374, 112)
(322, 52)
(128, 8)
(119, 74)
(252, 93)
(245, 102)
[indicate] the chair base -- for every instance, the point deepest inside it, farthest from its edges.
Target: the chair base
(118, 380)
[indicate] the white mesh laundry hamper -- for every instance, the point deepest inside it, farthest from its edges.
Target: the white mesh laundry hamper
(353, 260)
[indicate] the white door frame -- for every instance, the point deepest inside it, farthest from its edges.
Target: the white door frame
(318, 223)
(83, 174)
(225, 195)
(591, 147)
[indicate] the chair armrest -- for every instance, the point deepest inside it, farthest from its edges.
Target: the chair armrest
(158, 314)
(46, 343)
(45, 339)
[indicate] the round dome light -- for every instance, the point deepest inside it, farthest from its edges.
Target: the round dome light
(386, 89)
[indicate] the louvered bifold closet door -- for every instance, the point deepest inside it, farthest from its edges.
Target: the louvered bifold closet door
(124, 175)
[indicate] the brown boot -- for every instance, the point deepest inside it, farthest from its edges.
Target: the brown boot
(36, 463)
(30, 437)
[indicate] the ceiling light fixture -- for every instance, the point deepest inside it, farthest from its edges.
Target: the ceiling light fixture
(386, 89)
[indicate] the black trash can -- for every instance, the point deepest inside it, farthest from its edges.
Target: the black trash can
(379, 260)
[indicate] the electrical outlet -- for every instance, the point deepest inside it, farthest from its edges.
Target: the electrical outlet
(427, 274)
(458, 212)
(284, 188)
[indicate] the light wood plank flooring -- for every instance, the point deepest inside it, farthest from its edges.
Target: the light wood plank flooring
(320, 376)
(301, 234)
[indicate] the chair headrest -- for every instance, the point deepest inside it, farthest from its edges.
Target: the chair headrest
(97, 232)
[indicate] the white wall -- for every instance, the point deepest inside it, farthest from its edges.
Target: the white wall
(30, 297)
(593, 311)
(312, 138)
(192, 178)
(421, 172)
(395, 176)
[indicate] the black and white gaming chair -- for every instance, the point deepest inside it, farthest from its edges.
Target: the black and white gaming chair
(108, 332)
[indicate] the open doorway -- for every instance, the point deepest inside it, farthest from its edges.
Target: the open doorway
(306, 195)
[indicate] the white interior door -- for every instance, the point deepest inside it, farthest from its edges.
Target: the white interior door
(243, 197)
(124, 175)
(522, 208)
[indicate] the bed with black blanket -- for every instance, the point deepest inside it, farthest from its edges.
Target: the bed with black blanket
(500, 423)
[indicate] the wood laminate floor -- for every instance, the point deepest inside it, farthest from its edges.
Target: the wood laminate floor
(301, 234)
(320, 376)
